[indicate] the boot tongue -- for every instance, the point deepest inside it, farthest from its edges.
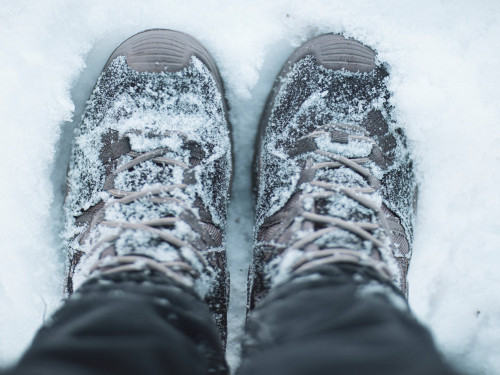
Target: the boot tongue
(339, 205)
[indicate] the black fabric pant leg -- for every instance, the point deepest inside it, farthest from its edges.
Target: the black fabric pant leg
(131, 324)
(342, 322)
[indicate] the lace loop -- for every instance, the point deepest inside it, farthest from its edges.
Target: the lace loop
(314, 259)
(115, 264)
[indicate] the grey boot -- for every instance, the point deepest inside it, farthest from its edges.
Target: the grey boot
(149, 177)
(333, 175)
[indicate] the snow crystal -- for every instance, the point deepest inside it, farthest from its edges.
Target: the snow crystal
(375, 288)
(354, 149)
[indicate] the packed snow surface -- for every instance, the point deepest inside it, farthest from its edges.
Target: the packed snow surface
(445, 84)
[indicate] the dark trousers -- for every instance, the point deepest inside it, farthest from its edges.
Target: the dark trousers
(340, 321)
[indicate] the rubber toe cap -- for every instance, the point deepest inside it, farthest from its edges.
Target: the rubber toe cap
(336, 52)
(161, 50)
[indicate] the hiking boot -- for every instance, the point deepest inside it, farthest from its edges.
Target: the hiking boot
(149, 177)
(334, 176)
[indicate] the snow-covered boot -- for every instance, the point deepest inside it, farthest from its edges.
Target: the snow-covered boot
(150, 171)
(334, 178)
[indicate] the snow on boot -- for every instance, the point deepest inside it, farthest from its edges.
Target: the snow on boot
(333, 175)
(149, 176)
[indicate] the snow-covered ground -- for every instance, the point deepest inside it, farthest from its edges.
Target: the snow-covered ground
(445, 80)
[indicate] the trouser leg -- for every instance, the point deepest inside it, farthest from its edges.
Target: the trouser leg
(339, 321)
(128, 324)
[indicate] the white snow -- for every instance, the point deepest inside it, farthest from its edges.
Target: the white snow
(445, 82)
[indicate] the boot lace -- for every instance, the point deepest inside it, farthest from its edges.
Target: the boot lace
(313, 256)
(180, 270)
